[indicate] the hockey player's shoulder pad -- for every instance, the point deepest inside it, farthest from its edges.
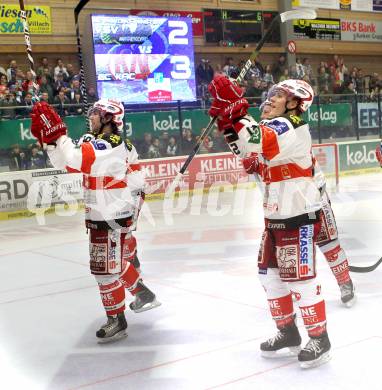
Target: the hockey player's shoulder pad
(279, 125)
(296, 120)
(112, 139)
(128, 145)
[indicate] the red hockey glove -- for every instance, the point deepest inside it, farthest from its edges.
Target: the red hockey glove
(228, 102)
(47, 126)
(251, 163)
(378, 153)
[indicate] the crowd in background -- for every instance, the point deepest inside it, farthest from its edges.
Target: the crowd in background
(60, 85)
(329, 78)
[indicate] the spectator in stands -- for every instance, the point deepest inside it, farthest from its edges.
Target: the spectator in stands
(47, 73)
(323, 80)
(256, 70)
(46, 86)
(285, 75)
(204, 72)
(153, 151)
(26, 105)
(60, 69)
(218, 144)
(145, 145)
(28, 83)
(268, 78)
(36, 159)
(172, 147)
(11, 71)
(374, 81)
(3, 85)
(77, 108)
(308, 70)
(44, 65)
(9, 100)
(300, 69)
(280, 67)
(45, 97)
(188, 141)
(60, 83)
(349, 89)
(218, 70)
(230, 69)
(92, 95)
(163, 142)
(361, 82)
(3, 71)
(61, 100)
(74, 88)
(254, 91)
(17, 159)
(70, 73)
(206, 145)
(293, 72)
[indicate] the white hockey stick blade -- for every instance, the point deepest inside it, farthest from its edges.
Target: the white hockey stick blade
(172, 187)
(300, 13)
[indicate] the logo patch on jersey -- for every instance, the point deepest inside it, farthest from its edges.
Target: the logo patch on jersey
(295, 119)
(278, 126)
(128, 144)
(306, 250)
(99, 144)
(255, 132)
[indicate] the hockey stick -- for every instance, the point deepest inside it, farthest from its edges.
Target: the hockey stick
(283, 17)
(370, 268)
(28, 46)
(84, 92)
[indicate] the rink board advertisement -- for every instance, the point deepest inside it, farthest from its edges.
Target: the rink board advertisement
(39, 19)
(351, 5)
(361, 30)
(43, 189)
(37, 189)
(368, 115)
(136, 124)
(357, 155)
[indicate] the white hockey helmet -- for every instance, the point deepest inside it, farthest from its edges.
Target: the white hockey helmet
(264, 104)
(299, 89)
(109, 106)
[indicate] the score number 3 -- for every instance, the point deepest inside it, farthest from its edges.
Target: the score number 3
(178, 36)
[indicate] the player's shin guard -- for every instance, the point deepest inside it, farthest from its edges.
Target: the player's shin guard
(112, 295)
(113, 299)
(338, 263)
(312, 307)
(287, 341)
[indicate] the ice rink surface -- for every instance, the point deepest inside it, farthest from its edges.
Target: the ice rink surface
(214, 313)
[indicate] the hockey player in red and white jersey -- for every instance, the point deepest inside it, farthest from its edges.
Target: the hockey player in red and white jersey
(292, 209)
(328, 238)
(113, 186)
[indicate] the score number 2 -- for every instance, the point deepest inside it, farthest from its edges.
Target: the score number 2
(178, 36)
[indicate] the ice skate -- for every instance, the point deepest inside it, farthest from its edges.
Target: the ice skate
(286, 343)
(144, 300)
(348, 296)
(316, 352)
(113, 330)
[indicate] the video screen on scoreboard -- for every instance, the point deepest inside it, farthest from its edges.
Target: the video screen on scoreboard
(144, 59)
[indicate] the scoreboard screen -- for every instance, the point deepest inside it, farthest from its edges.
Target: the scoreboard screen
(144, 59)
